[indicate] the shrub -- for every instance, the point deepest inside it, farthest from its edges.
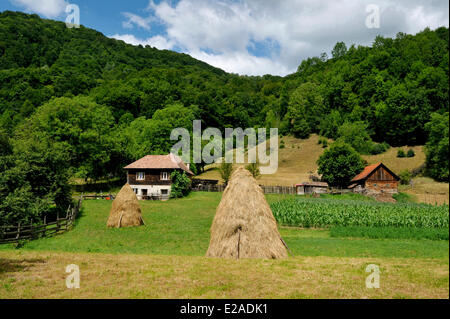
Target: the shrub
(282, 145)
(437, 147)
(323, 141)
(405, 177)
(181, 185)
(253, 168)
(225, 170)
(401, 153)
(301, 129)
(410, 153)
(378, 148)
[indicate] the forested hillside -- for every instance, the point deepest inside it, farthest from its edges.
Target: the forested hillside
(74, 103)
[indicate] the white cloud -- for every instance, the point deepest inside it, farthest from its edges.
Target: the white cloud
(48, 8)
(221, 32)
(241, 63)
(137, 20)
(156, 41)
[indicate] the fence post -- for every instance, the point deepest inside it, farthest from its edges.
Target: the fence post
(18, 231)
(45, 225)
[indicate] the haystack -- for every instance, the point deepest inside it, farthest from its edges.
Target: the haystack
(125, 211)
(244, 226)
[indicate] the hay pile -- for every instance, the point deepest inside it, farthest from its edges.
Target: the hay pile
(244, 226)
(125, 211)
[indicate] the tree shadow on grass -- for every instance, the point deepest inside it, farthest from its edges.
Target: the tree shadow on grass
(15, 265)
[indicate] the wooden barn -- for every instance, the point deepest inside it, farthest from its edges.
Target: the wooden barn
(376, 178)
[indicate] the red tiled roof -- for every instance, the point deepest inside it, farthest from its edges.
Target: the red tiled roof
(366, 172)
(160, 161)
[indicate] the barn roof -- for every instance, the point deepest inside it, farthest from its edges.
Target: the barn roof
(169, 161)
(315, 184)
(368, 170)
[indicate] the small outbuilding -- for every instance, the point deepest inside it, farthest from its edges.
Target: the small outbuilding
(376, 178)
(311, 188)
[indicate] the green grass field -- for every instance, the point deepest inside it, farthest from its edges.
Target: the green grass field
(168, 252)
(181, 227)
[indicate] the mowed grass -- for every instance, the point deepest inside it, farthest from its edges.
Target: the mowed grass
(165, 259)
(30, 274)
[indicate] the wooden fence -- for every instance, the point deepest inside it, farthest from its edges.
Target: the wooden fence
(208, 188)
(266, 189)
(101, 196)
(12, 234)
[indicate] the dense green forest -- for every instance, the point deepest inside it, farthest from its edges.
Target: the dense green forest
(74, 103)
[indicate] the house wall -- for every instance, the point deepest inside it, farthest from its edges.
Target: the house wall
(152, 182)
(152, 190)
(152, 177)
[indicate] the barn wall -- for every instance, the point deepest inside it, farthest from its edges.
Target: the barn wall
(381, 175)
(385, 186)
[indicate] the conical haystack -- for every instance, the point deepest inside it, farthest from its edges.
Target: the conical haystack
(125, 211)
(244, 226)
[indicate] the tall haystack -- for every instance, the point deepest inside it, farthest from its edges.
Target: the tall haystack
(244, 226)
(125, 211)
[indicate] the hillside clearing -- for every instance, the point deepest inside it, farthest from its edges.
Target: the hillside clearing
(297, 161)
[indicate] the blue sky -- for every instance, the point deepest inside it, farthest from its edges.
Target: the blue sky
(252, 37)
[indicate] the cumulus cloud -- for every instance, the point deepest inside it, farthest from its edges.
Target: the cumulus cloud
(256, 37)
(134, 19)
(155, 41)
(48, 8)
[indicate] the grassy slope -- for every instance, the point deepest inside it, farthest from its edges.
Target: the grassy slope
(164, 259)
(298, 159)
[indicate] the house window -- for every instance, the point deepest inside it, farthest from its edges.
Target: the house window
(164, 191)
(140, 176)
(164, 176)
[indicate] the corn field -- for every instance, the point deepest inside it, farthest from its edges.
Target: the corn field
(312, 212)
